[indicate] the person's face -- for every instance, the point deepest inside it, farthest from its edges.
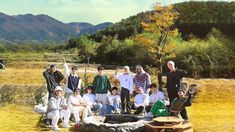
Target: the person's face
(76, 93)
(170, 66)
(114, 92)
(181, 93)
(138, 70)
(58, 93)
(140, 90)
(89, 91)
(53, 69)
(74, 71)
(125, 70)
(153, 89)
(100, 72)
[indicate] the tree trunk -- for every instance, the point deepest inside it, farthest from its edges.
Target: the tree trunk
(88, 61)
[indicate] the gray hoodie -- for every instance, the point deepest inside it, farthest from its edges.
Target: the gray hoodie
(56, 103)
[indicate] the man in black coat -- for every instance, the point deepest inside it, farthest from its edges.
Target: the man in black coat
(53, 78)
(174, 78)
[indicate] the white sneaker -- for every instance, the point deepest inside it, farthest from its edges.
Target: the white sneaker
(149, 115)
(66, 126)
(55, 129)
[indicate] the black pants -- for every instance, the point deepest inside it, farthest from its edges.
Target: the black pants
(125, 99)
(148, 108)
(139, 110)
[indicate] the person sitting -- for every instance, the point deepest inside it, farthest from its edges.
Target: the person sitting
(178, 104)
(90, 98)
(141, 101)
(154, 97)
(77, 105)
(57, 109)
(114, 100)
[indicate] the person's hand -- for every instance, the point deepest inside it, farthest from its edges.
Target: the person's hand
(65, 107)
(63, 59)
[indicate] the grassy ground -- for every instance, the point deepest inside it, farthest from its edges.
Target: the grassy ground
(212, 110)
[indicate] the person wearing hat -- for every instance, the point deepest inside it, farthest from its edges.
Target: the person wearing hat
(101, 86)
(73, 80)
(142, 79)
(174, 78)
(126, 84)
(90, 98)
(57, 109)
(77, 105)
(53, 78)
(141, 101)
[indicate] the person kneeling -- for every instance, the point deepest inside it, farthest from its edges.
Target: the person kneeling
(77, 105)
(141, 101)
(57, 109)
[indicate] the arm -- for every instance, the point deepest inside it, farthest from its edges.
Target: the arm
(66, 69)
(94, 84)
(80, 84)
(46, 74)
(60, 76)
(108, 84)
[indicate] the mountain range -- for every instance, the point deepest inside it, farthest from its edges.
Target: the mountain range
(42, 28)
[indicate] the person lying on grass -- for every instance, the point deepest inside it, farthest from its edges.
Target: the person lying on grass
(57, 109)
(77, 105)
(90, 98)
(178, 104)
(141, 101)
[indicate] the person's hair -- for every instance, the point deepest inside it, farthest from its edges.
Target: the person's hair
(74, 67)
(76, 90)
(89, 87)
(153, 85)
(52, 65)
(100, 68)
(113, 88)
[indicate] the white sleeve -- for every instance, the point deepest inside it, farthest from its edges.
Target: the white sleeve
(70, 102)
(66, 69)
(131, 85)
(110, 100)
(80, 84)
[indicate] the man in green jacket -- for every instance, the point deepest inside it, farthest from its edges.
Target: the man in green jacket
(101, 85)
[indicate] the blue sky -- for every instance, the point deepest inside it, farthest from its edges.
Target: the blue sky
(92, 11)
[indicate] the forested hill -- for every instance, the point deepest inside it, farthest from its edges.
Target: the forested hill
(197, 18)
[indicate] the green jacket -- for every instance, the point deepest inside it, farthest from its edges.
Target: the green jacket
(101, 84)
(159, 109)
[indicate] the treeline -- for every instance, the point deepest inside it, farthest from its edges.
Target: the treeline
(197, 18)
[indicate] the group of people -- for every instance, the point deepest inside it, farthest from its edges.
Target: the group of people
(103, 98)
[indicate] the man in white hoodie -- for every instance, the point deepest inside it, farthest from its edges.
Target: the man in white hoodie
(126, 84)
(73, 80)
(57, 108)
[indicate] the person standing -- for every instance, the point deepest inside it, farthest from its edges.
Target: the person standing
(142, 79)
(101, 86)
(73, 80)
(126, 84)
(174, 78)
(53, 78)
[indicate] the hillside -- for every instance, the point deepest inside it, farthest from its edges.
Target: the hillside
(42, 28)
(197, 18)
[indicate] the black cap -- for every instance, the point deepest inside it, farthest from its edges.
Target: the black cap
(52, 65)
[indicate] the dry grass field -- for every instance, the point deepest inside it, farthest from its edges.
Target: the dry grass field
(213, 109)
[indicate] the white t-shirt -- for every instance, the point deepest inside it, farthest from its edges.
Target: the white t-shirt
(112, 97)
(126, 81)
(89, 98)
(141, 99)
(154, 97)
(74, 100)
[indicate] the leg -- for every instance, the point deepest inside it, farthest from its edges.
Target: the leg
(183, 114)
(104, 99)
(123, 100)
(55, 116)
(76, 113)
(128, 102)
(66, 115)
(139, 110)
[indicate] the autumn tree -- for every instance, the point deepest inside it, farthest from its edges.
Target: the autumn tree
(159, 29)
